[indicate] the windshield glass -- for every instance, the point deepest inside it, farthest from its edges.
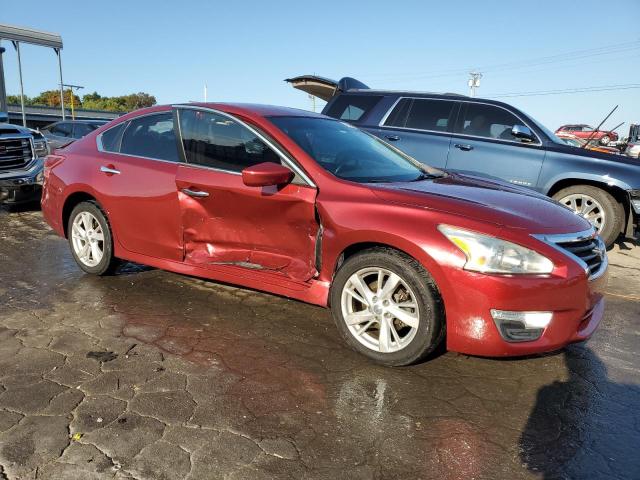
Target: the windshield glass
(351, 154)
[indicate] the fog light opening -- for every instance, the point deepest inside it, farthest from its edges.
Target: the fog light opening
(521, 326)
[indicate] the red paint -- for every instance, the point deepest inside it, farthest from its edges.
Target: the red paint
(264, 237)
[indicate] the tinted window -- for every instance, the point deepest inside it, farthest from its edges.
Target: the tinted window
(430, 114)
(481, 120)
(217, 141)
(398, 117)
(82, 129)
(352, 107)
(62, 129)
(151, 136)
(111, 138)
(349, 153)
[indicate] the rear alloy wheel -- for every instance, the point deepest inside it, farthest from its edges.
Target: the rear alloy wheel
(90, 239)
(597, 206)
(387, 307)
(605, 140)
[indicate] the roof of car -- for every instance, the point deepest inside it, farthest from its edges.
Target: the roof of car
(257, 109)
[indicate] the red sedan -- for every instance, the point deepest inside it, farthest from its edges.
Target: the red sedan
(308, 207)
(586, 132)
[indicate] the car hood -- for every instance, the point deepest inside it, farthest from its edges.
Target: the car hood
(10, 129)
(581, 152)
(490, 201)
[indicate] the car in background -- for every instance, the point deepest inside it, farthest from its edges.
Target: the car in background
(633, 150)
(22, 151)
(593, 145)
(309, 207)
(60, 134)
(492, 139)
(587, 132)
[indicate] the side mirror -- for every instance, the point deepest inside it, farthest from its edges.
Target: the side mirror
(523, 133)
(266, 174)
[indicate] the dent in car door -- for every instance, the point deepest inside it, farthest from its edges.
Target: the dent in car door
(226, 222)
(420, 128)
(482, 144)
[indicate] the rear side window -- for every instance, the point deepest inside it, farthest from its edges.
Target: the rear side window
(352, 108)
(151, 136)
(62, 130)
(433, 115)
(110, 140)
(488, 121)
(82, 129)
(216, 141)
(422, 114)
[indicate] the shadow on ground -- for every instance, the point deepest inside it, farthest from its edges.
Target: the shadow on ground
(587, 426)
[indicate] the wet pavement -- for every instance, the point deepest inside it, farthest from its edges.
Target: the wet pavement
(154, 375)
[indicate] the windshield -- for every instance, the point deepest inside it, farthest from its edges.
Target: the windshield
(351, 154)
(552, 136)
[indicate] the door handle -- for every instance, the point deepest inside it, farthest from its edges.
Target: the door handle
(392, 138)
(195, 193)
(464, 148)
(109, 170)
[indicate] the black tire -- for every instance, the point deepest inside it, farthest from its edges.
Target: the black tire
(431, 327)
(108, 264)
(605, 140)
(613, 210)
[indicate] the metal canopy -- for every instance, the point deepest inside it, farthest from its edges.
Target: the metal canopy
(18, 35)
(29, 35)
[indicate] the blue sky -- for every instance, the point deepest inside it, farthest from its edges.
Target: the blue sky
(244, 49)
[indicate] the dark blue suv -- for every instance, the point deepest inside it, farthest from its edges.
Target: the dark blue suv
(493, 139)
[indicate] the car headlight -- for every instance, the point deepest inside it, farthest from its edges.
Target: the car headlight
(40, 147)
(487, 254)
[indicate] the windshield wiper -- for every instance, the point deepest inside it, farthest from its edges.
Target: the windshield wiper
(425, 176)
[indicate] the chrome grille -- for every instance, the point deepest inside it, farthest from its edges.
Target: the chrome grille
(589, 251)
(15, 153)
(586, 248)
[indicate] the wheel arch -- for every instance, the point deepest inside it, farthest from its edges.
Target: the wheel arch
(69, 204)
(615, 191)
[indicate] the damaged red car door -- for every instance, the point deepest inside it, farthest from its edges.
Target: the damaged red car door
(270, 228)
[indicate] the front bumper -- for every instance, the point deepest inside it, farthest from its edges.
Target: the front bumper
(21, 186)
(575, 301)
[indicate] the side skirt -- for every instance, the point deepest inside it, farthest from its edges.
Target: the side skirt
(315, 291)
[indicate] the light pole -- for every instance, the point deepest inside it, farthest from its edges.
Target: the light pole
(474, 82)
(3, 91)
(71, 87)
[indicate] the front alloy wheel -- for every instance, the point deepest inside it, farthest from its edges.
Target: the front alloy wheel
(387, 307)
(380, 310)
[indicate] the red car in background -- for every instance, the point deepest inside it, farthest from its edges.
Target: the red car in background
(306, 206)
(585, 132)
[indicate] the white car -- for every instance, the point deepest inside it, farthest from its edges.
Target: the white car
(633, 150)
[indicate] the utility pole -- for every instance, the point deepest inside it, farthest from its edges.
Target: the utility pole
(313, 102)
(474, 82)
(71, 87)
(205, 92)
(3, 92)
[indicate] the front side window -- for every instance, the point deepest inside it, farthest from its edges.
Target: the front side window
(488, 121)
(352, 108)
(351, 154)
(213, 140)
(151, 136)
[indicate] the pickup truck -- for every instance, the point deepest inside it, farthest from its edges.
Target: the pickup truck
(22, 153)
(492, 139)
